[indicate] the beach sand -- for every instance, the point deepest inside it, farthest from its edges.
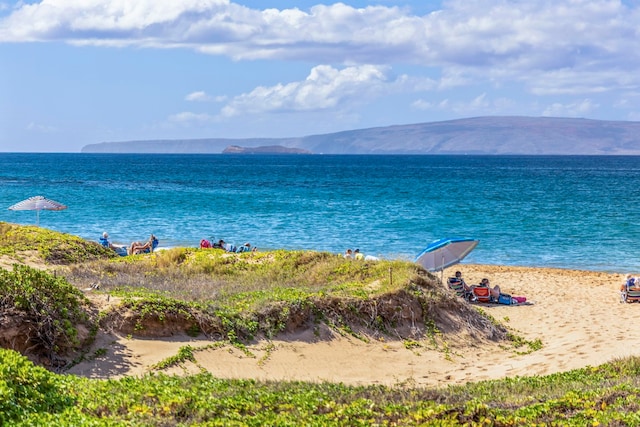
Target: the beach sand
(576, 315)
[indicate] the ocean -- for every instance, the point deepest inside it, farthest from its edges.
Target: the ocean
(575, 212)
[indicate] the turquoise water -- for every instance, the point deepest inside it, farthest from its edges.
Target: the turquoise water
(567, 211)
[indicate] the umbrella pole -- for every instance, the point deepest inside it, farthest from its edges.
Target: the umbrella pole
(37, 217)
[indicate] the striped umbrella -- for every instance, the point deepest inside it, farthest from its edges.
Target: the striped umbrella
(37, 203)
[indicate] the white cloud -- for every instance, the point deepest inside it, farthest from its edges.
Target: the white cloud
(325, 87)
(480, 105)
(187, 118)
(634, 116)
(199, 96)
(550, 48)
(40, 128)
(575, 109)
(421, 104)
(512, 35)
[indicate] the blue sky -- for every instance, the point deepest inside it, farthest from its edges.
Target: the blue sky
(78, 72)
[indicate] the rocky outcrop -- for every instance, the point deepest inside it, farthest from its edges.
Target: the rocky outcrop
(270, 149)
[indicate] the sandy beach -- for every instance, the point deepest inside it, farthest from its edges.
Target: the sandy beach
(575, 314)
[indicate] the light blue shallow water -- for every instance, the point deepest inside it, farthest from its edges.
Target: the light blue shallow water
(567, 212)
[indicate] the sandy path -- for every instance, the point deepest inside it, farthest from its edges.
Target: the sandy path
(575, 315)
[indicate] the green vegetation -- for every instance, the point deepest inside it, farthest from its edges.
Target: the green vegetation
(43, 313)
(239, 297)
(235, 297)
(30, 395)
(18, 242)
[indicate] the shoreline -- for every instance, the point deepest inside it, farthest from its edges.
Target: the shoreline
(575, 316)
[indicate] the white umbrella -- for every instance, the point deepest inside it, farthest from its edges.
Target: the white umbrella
(37, 203)
(445, 252)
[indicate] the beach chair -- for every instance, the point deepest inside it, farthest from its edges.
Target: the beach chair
(149, 247)
(631, 295)
(456, 285)
(482, 294)
(154, 245)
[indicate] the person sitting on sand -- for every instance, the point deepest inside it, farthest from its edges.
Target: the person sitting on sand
(460, 287)
(244, 248)
(139, 247)
(495, 291)
(358, 255)
(104, 241)
(629, 282)
(458, 279)
(348, 254)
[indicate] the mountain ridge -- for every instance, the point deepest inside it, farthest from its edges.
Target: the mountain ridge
(499, 135)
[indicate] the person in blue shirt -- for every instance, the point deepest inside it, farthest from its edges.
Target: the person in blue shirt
(104, 241)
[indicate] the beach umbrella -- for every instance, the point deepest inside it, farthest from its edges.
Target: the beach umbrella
(444, 253)
(37, 203)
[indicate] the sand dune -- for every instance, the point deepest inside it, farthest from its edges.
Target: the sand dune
(576, 315)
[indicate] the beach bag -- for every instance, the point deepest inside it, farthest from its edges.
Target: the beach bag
(504, 299)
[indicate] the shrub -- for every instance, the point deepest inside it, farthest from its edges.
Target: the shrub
(27, 389)
(48, 307)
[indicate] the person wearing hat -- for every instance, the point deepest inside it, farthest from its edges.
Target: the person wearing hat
(104, 241)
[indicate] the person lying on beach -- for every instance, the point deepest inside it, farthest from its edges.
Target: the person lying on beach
(496, 292)
(139, 247)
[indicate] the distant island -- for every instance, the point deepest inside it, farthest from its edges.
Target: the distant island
(478, 135)
(269, 149)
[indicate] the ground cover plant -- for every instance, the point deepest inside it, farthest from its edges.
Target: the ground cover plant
(42, 315)
(54, 248)
(31, 395)
(244, 296)
(236, 297)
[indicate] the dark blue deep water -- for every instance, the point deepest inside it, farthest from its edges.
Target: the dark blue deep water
(567, 211)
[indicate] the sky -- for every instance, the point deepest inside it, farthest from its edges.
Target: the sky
(79, 72)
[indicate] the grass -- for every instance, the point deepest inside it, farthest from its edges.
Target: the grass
(235, 297)
(51, 247)
(604, 395)
(242, 296)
